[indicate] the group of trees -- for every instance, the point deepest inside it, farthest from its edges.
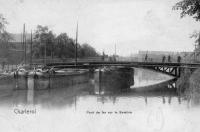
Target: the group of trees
(190, 8)
(45, 42)
(5, 37)
(61, 46)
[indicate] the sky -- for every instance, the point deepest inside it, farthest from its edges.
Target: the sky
(131, 25)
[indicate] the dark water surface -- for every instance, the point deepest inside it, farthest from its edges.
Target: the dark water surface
(126, 99)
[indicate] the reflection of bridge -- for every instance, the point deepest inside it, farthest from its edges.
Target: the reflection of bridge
(173, 69)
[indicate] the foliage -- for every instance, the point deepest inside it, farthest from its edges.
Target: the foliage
(87, 51)
(4, 37)
(3, 23)
(43, 38)
(45, 41)
(189, 7)
(196, 35)
(65, 46)
(61, 46)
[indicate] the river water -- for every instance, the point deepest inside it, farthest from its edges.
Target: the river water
(131, 100)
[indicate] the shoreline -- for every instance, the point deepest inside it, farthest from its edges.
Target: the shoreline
(188, 85)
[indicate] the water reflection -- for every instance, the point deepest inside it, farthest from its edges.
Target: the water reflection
(113, 80)
(106, 85)
(155, 107)
(145, 77)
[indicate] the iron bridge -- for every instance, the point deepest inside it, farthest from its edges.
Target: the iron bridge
(173, 69)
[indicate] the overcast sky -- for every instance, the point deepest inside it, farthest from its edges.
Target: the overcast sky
(130, 24)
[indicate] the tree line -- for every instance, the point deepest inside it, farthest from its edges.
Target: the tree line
(44, 42)
(60, 46)
(5, 37)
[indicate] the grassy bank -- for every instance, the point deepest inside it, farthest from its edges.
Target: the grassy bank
(189, 85)
(183, 83)
(194, 90)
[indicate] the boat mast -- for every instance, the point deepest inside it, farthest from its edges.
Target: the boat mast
(45, 52)
(31, 49)
(24, 43)
(76, 55)
(115, 50)
(115, 53)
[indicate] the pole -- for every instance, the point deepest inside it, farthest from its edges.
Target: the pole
(103, 55)
(195, 52)
(24, 41)
(45, 52)
(22, 44)
(115, 50)
(76, 55)
(31, 49)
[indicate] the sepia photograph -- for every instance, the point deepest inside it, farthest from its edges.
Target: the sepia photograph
(100, 65)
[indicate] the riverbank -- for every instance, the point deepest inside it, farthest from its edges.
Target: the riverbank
(194, 91)
(183, 83)
(189, 85)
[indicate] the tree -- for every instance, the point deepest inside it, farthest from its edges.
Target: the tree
(61, 46)
(5, 37)
(88, 51)
(3, 23)
(189, 7)
(43, 42)
(65, 46)
(195, 35)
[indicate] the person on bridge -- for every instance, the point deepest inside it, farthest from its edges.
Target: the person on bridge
(103, 56)
(169, 58)
(178, 59)
(146, 57)
(163, 59)
(3, 65)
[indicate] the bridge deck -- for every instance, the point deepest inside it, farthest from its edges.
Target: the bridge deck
(126, 63)
(173, 69)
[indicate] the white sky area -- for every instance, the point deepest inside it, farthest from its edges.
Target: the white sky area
(132, 25)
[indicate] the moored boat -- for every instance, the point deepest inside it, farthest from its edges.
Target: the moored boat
(60, 78)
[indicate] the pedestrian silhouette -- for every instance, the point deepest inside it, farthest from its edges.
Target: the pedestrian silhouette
(103, 56)
(178, 59)
(163, 59)
(3, 65)
(169, 58)
(146, 57)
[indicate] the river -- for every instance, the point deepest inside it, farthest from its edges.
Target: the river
(128, 100)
